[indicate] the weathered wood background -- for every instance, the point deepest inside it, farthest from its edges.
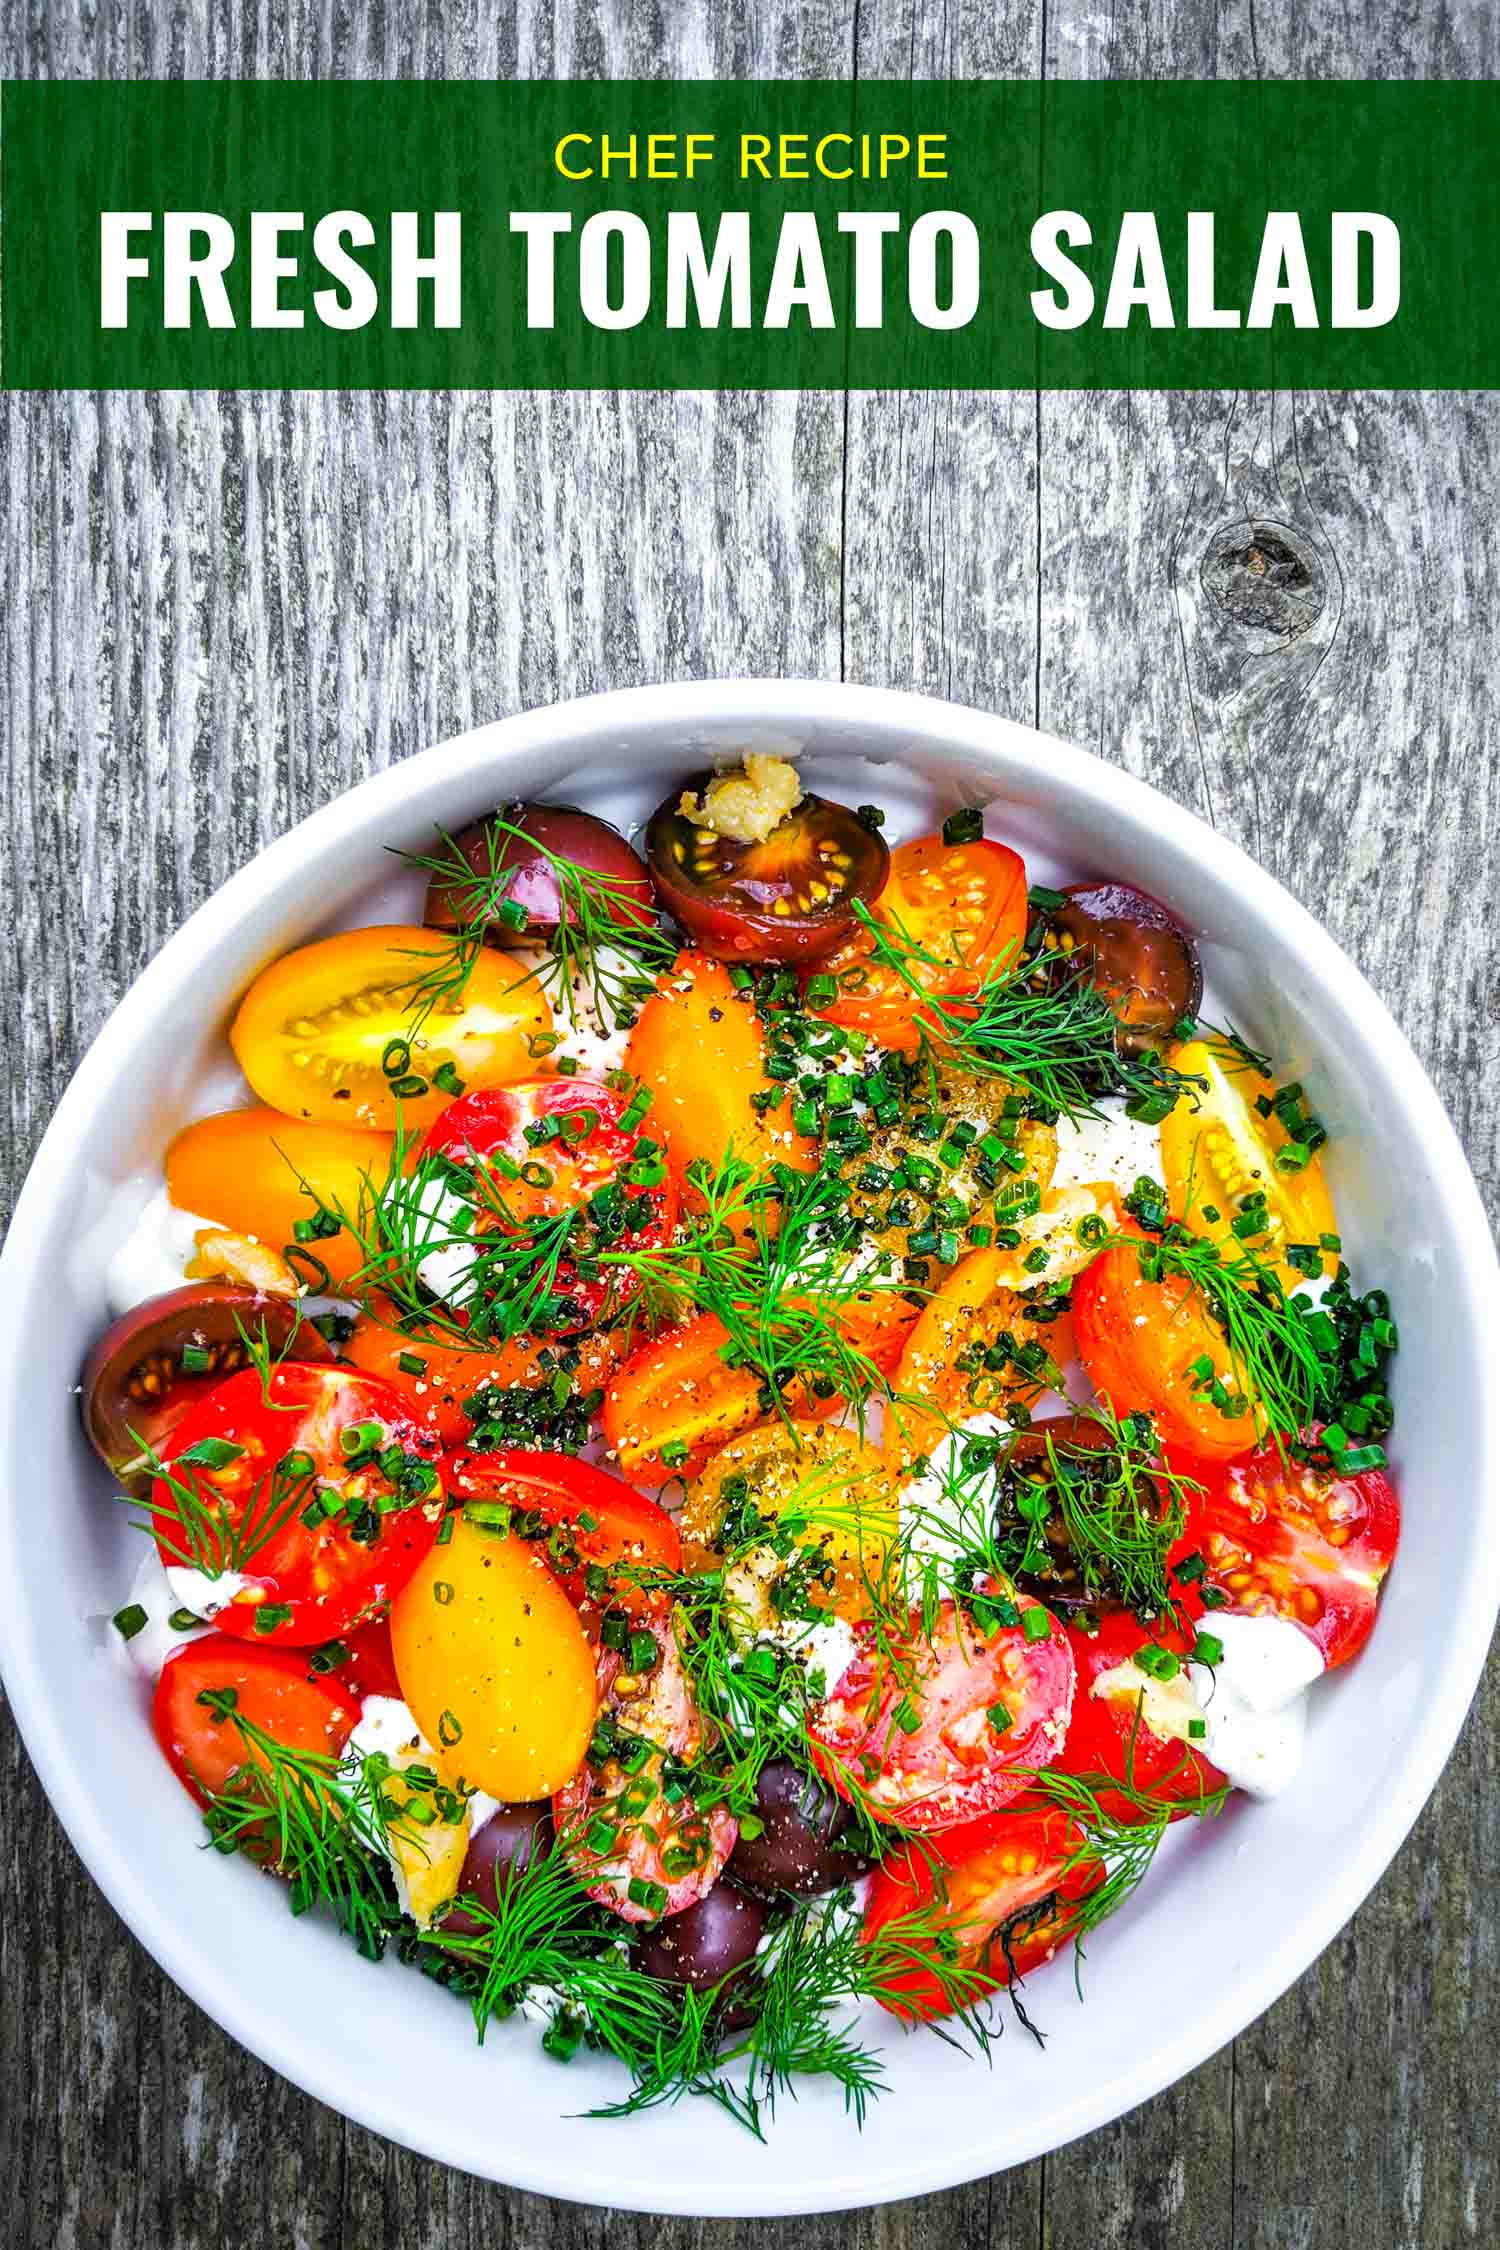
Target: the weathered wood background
(218, 612)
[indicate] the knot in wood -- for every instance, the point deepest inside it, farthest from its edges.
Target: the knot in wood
(1267, 578)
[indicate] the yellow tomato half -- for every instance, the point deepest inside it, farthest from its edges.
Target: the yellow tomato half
(258, 1173)
(495, 1665)
(1223, 1152)
(828, 1477)
(319, 1031)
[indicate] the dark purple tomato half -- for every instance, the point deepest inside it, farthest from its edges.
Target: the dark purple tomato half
(803, 1846)
(791, 898)
(1142, 962)
(155, 1363)
(705, 1945)
(519, 860)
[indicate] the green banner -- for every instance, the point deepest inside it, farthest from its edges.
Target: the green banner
(805, 235)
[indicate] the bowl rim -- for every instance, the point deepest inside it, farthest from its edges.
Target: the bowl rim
(1003, 746)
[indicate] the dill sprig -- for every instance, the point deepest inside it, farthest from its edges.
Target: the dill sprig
(312, 1819)
(769, 1255)
(1057, 1042)
(600, 953)
(193, 1520)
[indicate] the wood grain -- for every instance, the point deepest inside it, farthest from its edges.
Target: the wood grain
(221, 611)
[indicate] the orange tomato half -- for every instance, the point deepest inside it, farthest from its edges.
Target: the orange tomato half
(258, 1172)
(321, 1031)
(697, 1045)
(961, 908)
(1142, 1343)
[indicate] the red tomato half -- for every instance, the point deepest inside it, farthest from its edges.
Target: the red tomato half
(316, 1486)
(272, 1690)
(549, 1145)
(1005, 1886)
(370, 1667)
(1131, 1728)
(635, 1850)
(946, 1727)
(594, 1518)
(1286, 1539)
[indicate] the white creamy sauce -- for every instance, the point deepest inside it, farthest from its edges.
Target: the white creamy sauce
(1111, 1147)
(825, 1649)
(586, 1031)
(446, 1268)
(151, 1258)
(941, 1507)
(151, 1590)
(386, 1725)
(204, 1596)
(1255, 1699)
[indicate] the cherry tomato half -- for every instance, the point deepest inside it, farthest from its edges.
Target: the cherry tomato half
(260, 1173)
(314, 1485)
(512, 857)
(1010, 1886)
(441, 1380)
(552, 1145)
(788, 898)
(961, 908)
(1143, 1344)
(948, 1725)
(157, 1362)
(636, 1850)
(1134, 1727)
(331, 1032)
(1296, 1540)
(588, 1520)
(699, 1051)
(1133, 953)
(1219, 1149)
(272, 1690)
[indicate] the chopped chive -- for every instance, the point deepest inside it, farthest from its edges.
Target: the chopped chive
(129, 1621)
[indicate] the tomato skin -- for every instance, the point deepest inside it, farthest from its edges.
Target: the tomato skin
(993, 1870)
(435, 1397)
(1138, 1339)
(495, 1664)
(676, 1390)
(274, 1692)
(246, 1169)
(1215, 1154)
(371, 1665)
(760, 901)
(1113, 1734)
(482, 1129)
(697, 1046)
(1294, 1540)
(828, 1477)
(319, 1574)
(307, 1050)
(625, 1527)
(963, 903)
(656, 1843)
(953, 1765)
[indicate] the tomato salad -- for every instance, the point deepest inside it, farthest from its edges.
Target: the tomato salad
(740, 1431)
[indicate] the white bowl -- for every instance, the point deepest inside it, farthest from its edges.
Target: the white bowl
(1251, 1898)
